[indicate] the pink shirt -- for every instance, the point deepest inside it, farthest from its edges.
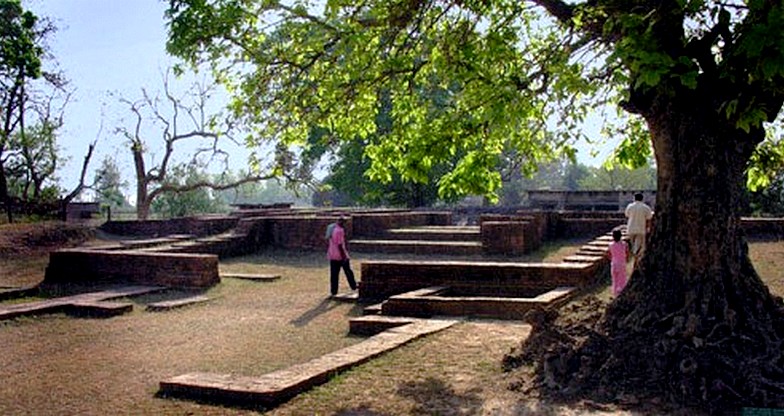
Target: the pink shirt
(618, 252)
(338, 238)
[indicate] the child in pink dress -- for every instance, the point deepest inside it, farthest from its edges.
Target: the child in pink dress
(617, 253)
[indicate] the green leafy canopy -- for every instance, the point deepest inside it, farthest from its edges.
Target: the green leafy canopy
(472, 80)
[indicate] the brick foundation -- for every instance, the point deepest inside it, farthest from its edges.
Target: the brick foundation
(160, 269)
(382, 279)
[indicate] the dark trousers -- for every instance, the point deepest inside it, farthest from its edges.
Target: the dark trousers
(334, 274)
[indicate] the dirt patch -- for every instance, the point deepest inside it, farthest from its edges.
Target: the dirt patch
(25, 248)
(34, 238)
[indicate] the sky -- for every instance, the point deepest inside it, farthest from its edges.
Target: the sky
(111, 48)
(107, 49)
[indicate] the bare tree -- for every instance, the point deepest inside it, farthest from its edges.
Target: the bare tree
(179, 119)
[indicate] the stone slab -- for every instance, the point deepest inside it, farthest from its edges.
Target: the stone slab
(61, 304)
(252, 276)
(176, 303)
(276, 387)
(98, 309)
(369, 325)
(17, 292)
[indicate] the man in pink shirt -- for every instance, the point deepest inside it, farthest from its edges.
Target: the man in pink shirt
(337, 253)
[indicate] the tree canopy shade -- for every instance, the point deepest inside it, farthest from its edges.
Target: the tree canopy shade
(698, 80)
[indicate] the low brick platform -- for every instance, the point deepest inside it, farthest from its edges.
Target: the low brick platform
(86, 301)
(276, 387)
(382, 279)
(437, 301)
(168, 305)
(161, 269)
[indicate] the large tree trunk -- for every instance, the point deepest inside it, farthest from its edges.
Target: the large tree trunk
(695, 324)
(143, 200)
(696, 314)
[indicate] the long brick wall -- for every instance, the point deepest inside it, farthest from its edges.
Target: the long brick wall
(160, 269)
(197, 226)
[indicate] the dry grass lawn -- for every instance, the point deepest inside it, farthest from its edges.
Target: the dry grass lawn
(60, 365)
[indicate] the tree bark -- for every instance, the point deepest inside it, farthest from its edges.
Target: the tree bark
(142, 181)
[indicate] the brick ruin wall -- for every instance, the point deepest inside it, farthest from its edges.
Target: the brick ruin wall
(197, 226)
(513, 234)
(304, 229)
(501, 234)
(381, 279)
(77, 266)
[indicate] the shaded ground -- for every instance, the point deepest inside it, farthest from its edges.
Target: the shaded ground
(63, 365)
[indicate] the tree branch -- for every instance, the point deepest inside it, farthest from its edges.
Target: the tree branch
(560, 10)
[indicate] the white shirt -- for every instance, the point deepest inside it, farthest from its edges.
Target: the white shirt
(638, 214)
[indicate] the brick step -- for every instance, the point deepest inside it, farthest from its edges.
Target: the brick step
(222, 245)
(435, 233)
(458, 248)
(374, 309)
(152, 242)
(584, 258)
(167, 305)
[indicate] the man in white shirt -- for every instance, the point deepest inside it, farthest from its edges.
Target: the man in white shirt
(639, 215)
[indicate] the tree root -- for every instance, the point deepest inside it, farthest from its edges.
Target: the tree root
(684, 361)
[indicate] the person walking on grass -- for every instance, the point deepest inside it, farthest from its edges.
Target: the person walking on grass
(639, 215)
(617, 253)
(337, 253)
